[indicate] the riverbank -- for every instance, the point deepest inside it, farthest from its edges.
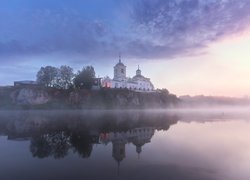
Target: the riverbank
(35, 97)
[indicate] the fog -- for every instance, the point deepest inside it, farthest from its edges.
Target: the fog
(183, 113)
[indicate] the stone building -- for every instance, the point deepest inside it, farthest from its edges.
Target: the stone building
(120, 80)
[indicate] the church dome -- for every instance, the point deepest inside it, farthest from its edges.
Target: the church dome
(138, 71)
(120, 62)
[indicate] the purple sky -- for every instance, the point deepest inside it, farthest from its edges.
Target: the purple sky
(93, 32)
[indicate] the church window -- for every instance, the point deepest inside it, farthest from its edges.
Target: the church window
(122, 71)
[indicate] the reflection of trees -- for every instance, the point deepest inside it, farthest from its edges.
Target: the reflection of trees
(81, 144)
(57, 144)
(125, 122)
(54, 144)
(54, 135)
(40, 147)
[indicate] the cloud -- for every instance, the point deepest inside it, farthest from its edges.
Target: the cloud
(174, 27)
(49, 31)
(151, 30)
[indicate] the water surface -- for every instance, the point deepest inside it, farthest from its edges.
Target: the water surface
(143, 145)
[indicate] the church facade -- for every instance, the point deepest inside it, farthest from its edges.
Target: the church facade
(120, 80)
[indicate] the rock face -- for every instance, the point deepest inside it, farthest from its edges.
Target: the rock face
(29, 96)
(50, 98)
(121, 98)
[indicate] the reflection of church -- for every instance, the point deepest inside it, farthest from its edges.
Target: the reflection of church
(137, 136)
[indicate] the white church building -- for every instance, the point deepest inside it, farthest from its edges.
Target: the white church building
(120, 80)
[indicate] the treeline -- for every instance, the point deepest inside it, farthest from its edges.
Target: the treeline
(65, 78)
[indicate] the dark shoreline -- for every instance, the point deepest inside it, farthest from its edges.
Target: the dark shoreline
(41, 98)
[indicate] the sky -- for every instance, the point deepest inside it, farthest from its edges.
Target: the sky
(186, 46)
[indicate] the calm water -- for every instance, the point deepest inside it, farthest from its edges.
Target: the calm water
(125, 145)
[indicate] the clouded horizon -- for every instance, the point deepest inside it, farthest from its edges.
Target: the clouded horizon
(186, 41)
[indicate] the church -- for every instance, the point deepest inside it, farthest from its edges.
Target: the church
(120, 80)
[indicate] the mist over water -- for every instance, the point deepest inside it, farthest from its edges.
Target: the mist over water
(150, 144)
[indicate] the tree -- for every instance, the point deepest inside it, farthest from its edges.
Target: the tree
(84, 79)
(46, 76)
(64, 77)
(165, 91)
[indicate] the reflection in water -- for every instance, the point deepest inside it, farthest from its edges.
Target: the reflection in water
(136, 136)
(55, 135)
(124, 145)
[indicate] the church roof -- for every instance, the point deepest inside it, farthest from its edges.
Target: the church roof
(119, 64)
(139, 76)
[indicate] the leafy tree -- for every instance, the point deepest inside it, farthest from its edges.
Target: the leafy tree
(85, 77)
(64, 77)
(165, 91)
(47, 76)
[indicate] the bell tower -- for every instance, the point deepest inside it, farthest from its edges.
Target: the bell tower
(119, 70)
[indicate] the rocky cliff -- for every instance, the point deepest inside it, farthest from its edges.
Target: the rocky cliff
(47, 98)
